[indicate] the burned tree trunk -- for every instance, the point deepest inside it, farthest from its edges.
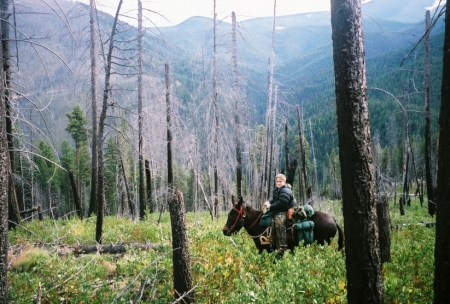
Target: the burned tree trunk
(216, 120)
(182, 272)
(442, 246)
(142, 191)
(13, 204)
(169, 129)
(101, 199)
(291, 167)
(363, 262)
(384, 229)
(265, 183)
(303, 170)
(148, 179)
(95, 145)
(237, 100)
(76, 197)
(428, 175)
(4, 177)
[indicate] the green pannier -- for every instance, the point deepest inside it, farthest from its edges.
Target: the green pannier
(266, 219)
(305, 231)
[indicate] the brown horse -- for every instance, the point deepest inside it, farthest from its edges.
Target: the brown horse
(240, 215)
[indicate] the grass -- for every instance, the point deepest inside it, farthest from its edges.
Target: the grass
(225, 270)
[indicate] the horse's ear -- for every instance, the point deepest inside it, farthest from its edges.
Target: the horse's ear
(241, 200)
(234, 200)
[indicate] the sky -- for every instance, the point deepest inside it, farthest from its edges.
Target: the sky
(177, 11)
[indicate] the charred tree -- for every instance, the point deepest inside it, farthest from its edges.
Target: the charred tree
(384, 228)
(101, 199)
(428, 175)
(442, 246)
(271, 140)
(13, 204)
(265, 184)
(182, 272)
(169, 129)
(363, 262)
(125, 183)
(4, 177)
(76, 196)
(142, 191)
(304, 170)
(216, 120)
(237, 100)
(95, 144)
(291, 167)
(148, 179)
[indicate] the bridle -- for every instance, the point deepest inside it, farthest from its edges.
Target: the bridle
(241, 216)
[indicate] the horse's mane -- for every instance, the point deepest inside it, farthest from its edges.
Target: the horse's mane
(251, 212)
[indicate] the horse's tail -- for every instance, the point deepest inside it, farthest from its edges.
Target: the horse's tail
(341, 237)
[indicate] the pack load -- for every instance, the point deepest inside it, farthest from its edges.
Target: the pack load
(303, 224)
(266, 218)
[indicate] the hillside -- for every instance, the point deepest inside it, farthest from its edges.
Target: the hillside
(56, 80)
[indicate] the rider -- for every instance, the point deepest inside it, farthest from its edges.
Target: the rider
(279, 203)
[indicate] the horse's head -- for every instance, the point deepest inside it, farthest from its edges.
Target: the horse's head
(236, 216)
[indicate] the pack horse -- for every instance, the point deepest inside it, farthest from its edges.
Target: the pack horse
(247, 217)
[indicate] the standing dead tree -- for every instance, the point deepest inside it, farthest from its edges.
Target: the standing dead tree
(142, 191)
(94, 146)
(13, 205)
(363, 262)
(4, 177)
(442, 246)
(266, 169)
(237, 100)
(101, 199)
(216, 119)
(304, 188)
(182, 272)
(290, 166)
(428, 175)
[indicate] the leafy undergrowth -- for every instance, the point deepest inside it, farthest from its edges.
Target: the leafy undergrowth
(225, 270)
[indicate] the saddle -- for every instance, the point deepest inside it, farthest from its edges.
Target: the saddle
(301, 230)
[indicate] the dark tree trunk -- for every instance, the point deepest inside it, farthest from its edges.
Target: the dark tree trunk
(302, 156)
(182, 273)
(413, 162)
(216, 120)
(13, 204)
(95, 144)
(101, 199)
(363, 262)
(291, 167)
(148, 178)
(237, 100)
(428, 175)
(125, 182)
(384, 228)
(265, 183)
(142, 191)
(169, 129)
(442, 247)
(76, 197)
(4, 177)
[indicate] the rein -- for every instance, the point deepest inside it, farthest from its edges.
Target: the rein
(241, 216)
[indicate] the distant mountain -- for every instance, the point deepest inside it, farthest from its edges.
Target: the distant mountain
(405, 11)
(303, 57)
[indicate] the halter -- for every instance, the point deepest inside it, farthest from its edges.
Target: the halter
(241, 216)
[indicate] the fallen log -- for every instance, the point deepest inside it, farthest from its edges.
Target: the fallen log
(112, 249)
(426, 224)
